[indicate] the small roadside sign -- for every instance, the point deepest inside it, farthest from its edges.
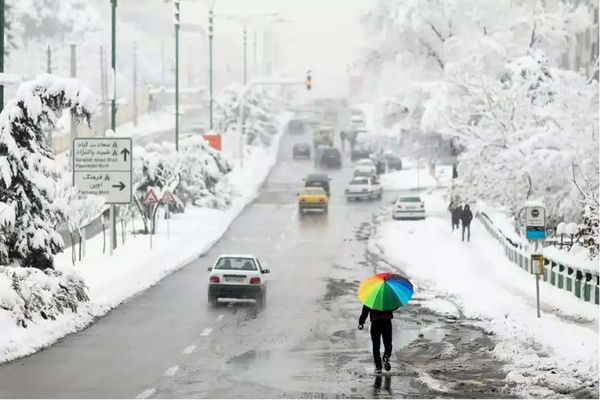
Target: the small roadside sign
(214, 141)
(167, 197)
(102, 167)
(150, 197)
(535, 222)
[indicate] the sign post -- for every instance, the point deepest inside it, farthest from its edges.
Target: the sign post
(535, 230)
(150, 199)
(102, 167)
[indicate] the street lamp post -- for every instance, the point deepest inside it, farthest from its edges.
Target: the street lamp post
(113, 121)
(176, 21)
(245, 61)
(210, 70)
(1, 52)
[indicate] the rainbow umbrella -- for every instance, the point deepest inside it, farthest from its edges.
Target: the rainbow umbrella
(385, 291)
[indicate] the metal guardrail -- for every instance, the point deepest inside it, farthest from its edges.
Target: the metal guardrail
(582, 283)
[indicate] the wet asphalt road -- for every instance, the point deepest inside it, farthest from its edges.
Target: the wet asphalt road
(167, 342)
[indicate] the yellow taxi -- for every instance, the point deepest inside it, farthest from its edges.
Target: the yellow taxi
(312, 198)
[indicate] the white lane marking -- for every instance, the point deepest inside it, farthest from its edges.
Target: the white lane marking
(206, 332)
(220, 317)
(189, 350)
(146, 393)
(172, 371)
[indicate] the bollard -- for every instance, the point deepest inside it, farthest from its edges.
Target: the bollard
(560, 277)
(569, 280)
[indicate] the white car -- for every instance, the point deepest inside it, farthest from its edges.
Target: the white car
(237, 276)
(364, 187)
(364, 166)
(408, 207)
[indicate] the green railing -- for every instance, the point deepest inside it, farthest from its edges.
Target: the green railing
(584, 284)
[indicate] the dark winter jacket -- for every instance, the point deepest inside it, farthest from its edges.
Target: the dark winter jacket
(375, 315)
(456, 213)
(466, 216)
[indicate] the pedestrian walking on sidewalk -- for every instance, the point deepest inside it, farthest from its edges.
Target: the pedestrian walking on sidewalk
(466, 216)
(381, 329)
(455, 212)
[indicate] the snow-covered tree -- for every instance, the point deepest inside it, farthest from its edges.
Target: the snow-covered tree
(259, 113)
(29, 176)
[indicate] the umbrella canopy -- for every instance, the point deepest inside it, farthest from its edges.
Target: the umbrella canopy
(385, 291)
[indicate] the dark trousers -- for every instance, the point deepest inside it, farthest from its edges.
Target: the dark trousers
(381, 329)
(468, 228)
(455, 223)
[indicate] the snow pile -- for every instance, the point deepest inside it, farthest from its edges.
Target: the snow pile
(407, 179)
(545, 356)
(30, 295)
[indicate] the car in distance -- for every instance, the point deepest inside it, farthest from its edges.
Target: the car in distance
(301, 150)
(296, 126)
(329, 157)
(312, 198)
(318, 180)
(237, 276)
(358, 153)
(408, 207)
(365, 166)
(393, 161)
(364, 187)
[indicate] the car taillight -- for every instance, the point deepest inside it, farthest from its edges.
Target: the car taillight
(399, 206)
(321, 200)
(255, 280)
(422, 205)
(302, 200)
(214, 279)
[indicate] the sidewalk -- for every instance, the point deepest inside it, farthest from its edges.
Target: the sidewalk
(560, 349)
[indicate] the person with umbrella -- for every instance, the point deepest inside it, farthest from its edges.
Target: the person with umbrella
(381, 294)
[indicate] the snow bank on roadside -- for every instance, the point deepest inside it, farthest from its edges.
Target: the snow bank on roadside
(134, 267)
(561, 348)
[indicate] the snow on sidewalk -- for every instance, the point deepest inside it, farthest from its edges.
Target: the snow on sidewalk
(134, 267)
(557, 351)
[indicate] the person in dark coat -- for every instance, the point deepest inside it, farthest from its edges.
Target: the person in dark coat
(455, 212)
(343, 139)
(381, 328)
(466, 216)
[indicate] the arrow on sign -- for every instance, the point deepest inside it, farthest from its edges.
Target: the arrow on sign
(121, 186)
(125, 152)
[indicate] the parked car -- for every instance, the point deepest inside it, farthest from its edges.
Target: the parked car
(408, 207)
(318, 180)
(312, 198)
(364, 187)
(329, 157)
(301, 150)
(237, 276)
(365, 165)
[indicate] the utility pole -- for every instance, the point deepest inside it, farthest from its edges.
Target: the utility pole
(113, 113)
(245, 68)
(210, 69)
(162, 59)
(103, 91)
(73, 75)
(254, 67)
(134, 95)
(1, 52)
(49, 60)
(176, 20)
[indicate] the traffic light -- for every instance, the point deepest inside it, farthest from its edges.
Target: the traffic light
(308, 80)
